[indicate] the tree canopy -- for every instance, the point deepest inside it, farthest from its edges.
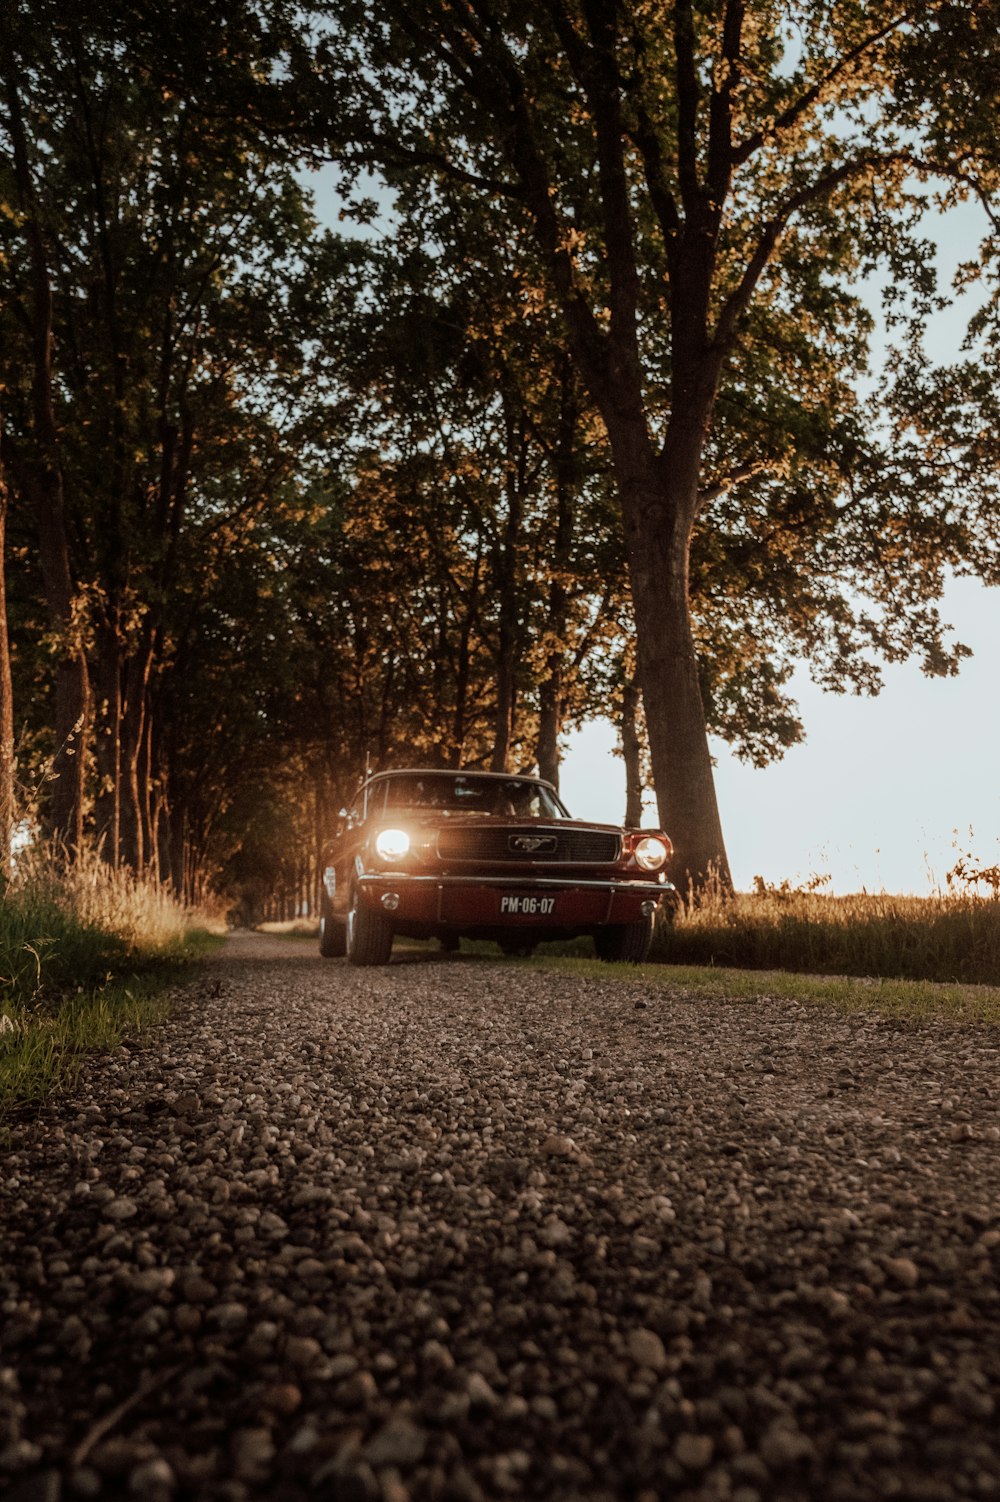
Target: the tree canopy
(698, 188)
(577, 409)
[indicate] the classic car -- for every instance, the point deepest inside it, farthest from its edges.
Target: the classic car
(485, 855)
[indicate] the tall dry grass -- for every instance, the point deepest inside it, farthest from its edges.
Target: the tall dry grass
(84, 951)
(951, 936)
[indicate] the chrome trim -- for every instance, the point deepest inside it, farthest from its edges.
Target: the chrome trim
(567, 884)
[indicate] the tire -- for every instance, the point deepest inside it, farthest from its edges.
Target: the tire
(624, 943)
(369, 935)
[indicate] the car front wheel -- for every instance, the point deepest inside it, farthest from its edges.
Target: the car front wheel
(369, 936)
(624, 943)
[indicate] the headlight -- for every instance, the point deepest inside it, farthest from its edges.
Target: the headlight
(651, 853)
(392, 844)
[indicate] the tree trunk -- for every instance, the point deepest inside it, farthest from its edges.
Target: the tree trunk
(659, 545)
(552, 692)
(505, 564)
(132, 842)
(8, 812)
(659, 503)
(504, 719)
(146, 785)
(178, 848)
(107, 744)
(40, 480)
(507, 635)
(550, 722)
(632, 754)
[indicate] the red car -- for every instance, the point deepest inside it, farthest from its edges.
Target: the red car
(433, 854)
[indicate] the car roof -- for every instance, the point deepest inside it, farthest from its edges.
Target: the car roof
(458, 772)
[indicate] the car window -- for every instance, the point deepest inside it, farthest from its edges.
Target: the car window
(513, 797)
(375, 799)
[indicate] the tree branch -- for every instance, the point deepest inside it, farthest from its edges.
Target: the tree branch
(720, 130)
(687, 103)
(619, 237)
(822, 187)
(805, 102)
(718, 487)
(392, 153)
(528, 163)
(644, 138)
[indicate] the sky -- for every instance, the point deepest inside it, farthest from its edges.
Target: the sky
(883, 795)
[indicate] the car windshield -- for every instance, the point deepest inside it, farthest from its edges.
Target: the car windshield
(513, 797)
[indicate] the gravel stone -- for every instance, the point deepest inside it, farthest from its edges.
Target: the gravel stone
(464, 1231)
(694, 1451)
(647, 1349)
(397, 1443)
(153, 1479)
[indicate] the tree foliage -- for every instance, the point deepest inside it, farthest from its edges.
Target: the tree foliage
(581, 406)
(700, 188)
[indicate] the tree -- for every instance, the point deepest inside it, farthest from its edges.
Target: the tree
(701, 184)
(159, 376)
(35, 460)
(479, 484)
(7, 805)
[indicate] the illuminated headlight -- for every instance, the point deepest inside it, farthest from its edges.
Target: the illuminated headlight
(392, 844)
(650, 853)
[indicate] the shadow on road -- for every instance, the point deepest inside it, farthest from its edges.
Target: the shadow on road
(245, 944)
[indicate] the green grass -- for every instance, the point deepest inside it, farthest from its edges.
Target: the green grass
(45, 1050)
(85, 960)
(902, 999)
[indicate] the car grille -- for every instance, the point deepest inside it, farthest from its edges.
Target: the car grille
(580, 846)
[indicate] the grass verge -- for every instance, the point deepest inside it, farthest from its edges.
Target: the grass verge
(902, 999)
(952, 938)
(291, 928)
(86, 958)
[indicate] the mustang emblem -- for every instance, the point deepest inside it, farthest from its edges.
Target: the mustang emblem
(531, 844)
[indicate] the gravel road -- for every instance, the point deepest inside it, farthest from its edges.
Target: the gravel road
(458, 1229)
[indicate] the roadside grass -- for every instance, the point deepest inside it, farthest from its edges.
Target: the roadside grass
(944, 938)
(86, 959)
(906, 1000)
(290, 928)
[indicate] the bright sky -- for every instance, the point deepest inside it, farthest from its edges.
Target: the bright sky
(885, 793)
(882, 794)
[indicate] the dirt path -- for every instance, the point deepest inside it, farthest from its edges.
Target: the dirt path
(459, 1229)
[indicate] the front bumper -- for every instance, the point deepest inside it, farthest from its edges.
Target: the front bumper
(460, 902)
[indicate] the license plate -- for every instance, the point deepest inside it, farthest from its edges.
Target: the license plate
(527, 907)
